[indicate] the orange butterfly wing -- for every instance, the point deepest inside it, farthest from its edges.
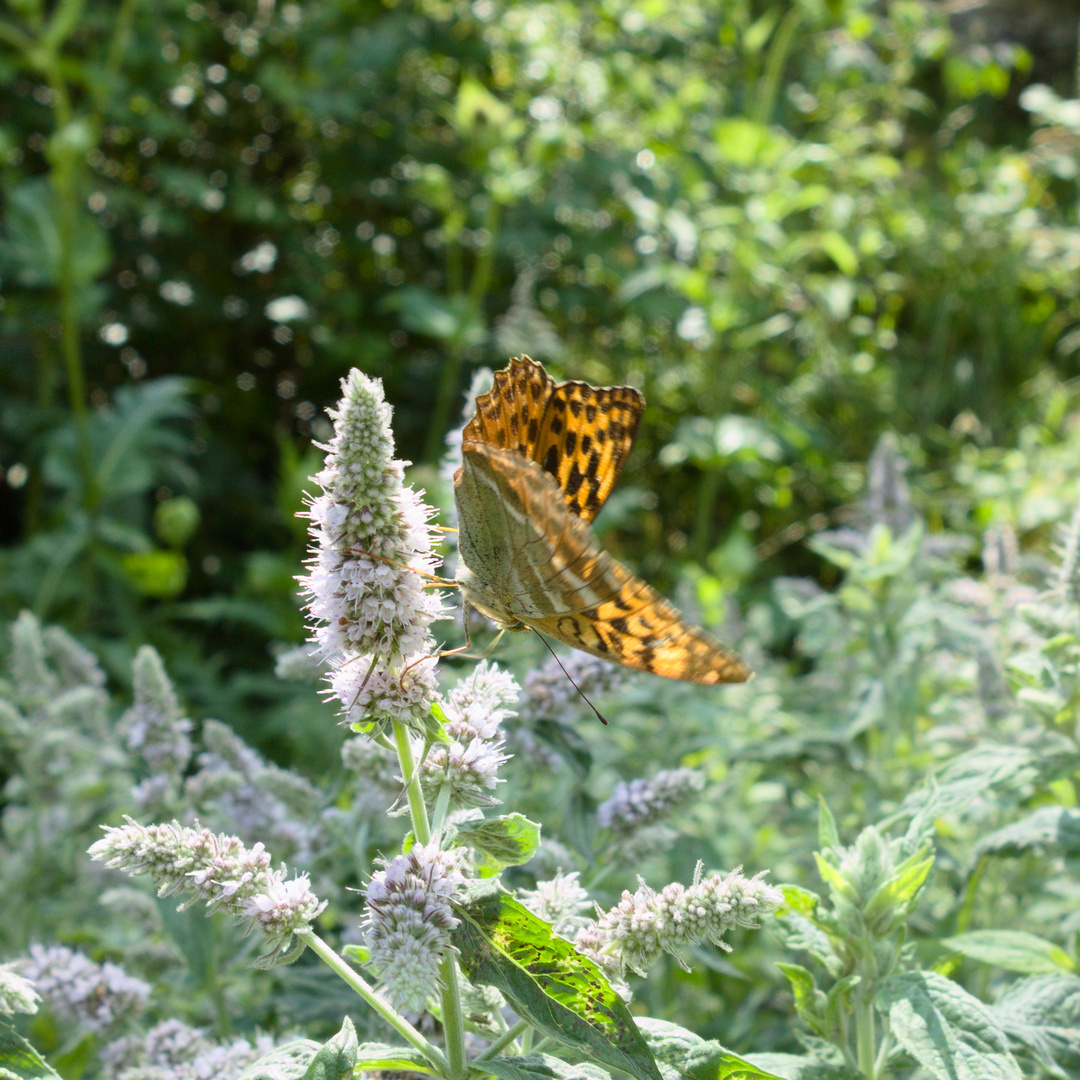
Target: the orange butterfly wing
(578, 433)
(528, 560)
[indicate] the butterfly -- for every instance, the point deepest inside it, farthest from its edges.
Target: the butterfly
(539, 458)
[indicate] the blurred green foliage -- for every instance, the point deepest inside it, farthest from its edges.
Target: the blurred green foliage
(794, 226)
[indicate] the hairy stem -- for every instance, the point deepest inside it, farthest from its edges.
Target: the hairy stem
(368, 993)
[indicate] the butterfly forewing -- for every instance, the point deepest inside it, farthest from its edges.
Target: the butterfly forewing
(578, 433)
(509, 414)
(585, 437)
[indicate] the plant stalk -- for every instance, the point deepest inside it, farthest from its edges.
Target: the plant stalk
(368, 993)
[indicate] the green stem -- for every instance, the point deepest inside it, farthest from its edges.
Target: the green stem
(442, 806)
(121, 32)
(504, 1040)
(417, 806)
(864, 1036)
(452, 1013)
(708, 491)
(774, 64)
(453, 1017)
(63, 180)
(367, 992)
(17, 39)
(214, 984)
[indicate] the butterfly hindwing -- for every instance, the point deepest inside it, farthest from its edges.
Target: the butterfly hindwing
(639, 628)
(519, 540)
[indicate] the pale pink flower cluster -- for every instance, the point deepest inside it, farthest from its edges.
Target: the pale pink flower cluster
(172, 1050)
(93, 995)
(643, 802)
(475, 710)
(560, 901)
(217, 869)
(409, 920)
(631, 935)
(370, 535)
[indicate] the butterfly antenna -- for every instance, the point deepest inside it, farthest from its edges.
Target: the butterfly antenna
(599, 714)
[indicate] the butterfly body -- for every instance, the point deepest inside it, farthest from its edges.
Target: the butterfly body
(538, 461)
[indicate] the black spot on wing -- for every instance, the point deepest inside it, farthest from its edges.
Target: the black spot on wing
(551, 460)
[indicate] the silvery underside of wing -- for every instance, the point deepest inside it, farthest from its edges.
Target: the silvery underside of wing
(532, 557)
(529, 560)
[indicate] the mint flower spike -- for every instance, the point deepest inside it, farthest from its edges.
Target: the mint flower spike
(469, 763)
(155, 727)
(643, 802)
(633, 934)
(221, 871)
(409, 920)
(370, 535)
(561, 901)
(94, 996)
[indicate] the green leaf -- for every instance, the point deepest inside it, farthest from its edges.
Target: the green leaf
(371, 1057)
(894, 901)
(160, 573)
(1013, 950)
(288, 1062)
(75, 1058)
(30, 246)
(951, 1034)
(548, 982)
(336, 1059)
(841, 252)
(834, 878)
(794, 1067)
(689, 1055)
(19, 1060)
(810, 1002)
(540, 1067)
(445, 318)
(828, 834)
(509, 840)
(838, 1007)
(1042, 1015)
(1052, 827)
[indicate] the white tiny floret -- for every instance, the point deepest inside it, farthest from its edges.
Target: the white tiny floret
(561, 901)
(409, 920)
(371, 545)
(631, 935)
